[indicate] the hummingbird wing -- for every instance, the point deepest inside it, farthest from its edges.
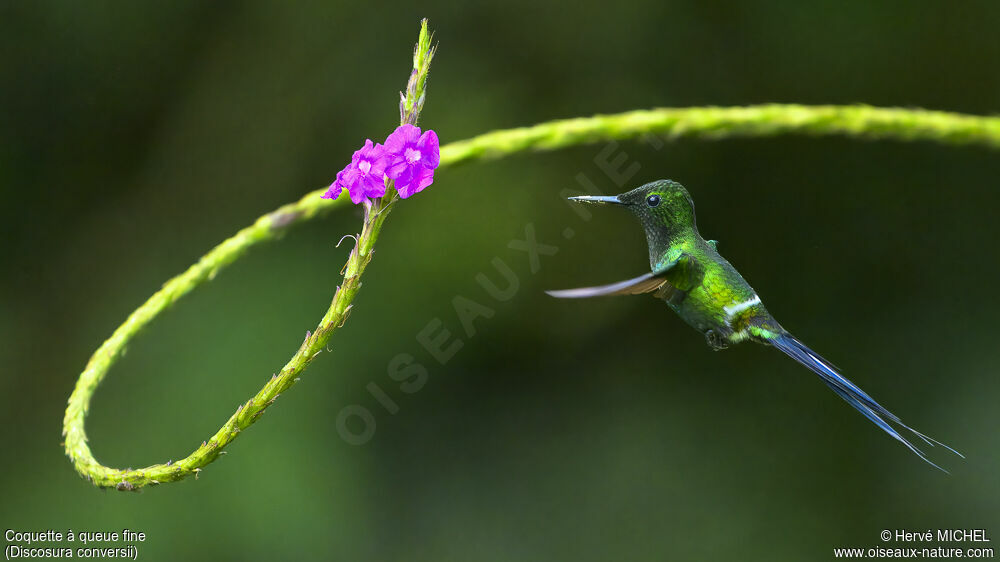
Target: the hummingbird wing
(646, 283)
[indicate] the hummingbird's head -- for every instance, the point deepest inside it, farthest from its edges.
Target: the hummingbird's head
(659, 205)
(664, 208)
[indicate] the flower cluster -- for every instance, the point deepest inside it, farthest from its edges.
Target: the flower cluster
(407, 157)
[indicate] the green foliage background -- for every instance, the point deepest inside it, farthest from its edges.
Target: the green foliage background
(137, 136)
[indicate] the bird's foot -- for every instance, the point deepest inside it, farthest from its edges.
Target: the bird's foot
(716, 340)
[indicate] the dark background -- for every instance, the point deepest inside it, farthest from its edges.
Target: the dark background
(136, 136)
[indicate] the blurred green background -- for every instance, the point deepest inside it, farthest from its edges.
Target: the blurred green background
(136, 136)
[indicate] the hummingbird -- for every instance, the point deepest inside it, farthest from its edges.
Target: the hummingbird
(708, 293)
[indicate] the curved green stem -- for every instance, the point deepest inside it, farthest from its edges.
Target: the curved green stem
(699, 122)
(206, 268)
(720, 122)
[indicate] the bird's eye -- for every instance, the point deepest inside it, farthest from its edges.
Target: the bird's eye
(653, 200)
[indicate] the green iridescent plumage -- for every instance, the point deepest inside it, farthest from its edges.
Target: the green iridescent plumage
(704, 289)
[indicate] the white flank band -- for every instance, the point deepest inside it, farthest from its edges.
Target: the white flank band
(734, 309)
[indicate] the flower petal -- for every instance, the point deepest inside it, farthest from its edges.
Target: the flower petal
(423, 178)
(403, 178)
(397, 167)
(403, 183)
(349, 177)
(376, 152)
(416, 181)
(404, 135)
(374, 186)
(357, 192)
(378, 166)
(333, 192)
(362, 152)
(430, 151)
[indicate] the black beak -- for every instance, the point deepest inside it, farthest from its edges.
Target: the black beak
(599, 199)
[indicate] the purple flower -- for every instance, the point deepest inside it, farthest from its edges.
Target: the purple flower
(413, 159)
(364, 176)
(407, 157)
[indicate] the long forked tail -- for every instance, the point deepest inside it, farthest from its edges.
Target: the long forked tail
(854, 395)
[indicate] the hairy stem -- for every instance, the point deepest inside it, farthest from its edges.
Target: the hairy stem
(859, 121)
(340, 307)
(698, 122)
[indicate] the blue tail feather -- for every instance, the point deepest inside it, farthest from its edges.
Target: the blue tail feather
(854, 395)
